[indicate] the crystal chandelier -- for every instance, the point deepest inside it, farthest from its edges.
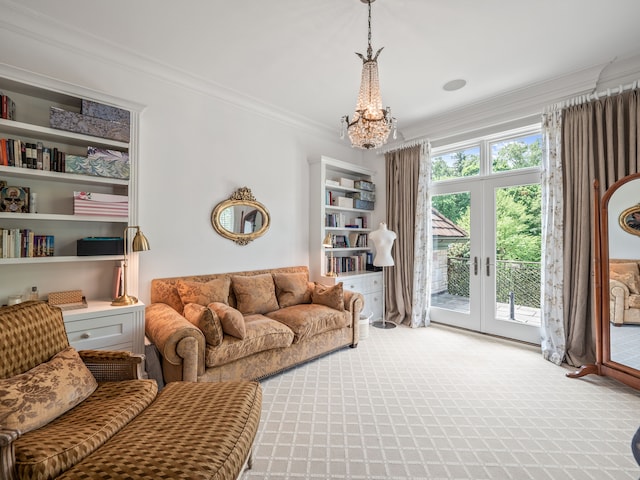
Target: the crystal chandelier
(371, 123)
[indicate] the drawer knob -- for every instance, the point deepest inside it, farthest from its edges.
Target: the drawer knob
(86, 335)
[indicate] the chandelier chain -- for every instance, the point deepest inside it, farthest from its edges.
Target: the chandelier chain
(369, 49)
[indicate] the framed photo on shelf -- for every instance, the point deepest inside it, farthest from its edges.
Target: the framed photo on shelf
(14, 199)
(629, 220)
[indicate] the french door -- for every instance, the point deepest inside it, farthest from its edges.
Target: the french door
(475, 284)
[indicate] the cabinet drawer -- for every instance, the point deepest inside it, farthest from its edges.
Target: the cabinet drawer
(373, 305)
(356, 284)
(113, 332)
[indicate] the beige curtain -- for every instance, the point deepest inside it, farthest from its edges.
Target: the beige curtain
(406, 289)
(600, 141)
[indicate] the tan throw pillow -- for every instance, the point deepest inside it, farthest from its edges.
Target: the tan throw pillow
(630, 272)
(329, 296)
(255, 293)
(203, 293)
(206, 320)
(34, 398)
(629, 279)
(292, 288)
(231, 319)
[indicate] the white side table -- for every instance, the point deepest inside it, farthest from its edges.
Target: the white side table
(104, 327)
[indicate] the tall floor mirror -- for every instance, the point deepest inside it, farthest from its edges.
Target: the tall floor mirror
(617, 282)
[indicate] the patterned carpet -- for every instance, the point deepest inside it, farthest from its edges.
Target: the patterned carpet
(440, 403)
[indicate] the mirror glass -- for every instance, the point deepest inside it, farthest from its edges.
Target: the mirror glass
(241, 218)
(623, 274)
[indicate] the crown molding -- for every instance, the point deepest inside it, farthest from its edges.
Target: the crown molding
(30, 23)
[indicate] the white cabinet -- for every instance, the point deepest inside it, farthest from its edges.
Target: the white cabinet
(54, 217)
(104, 327)
(342, 198)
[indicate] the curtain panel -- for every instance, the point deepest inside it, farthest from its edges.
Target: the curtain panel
(599, 141)
(407, 282)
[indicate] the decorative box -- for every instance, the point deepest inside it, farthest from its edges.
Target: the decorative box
(365, 185)
(346, 182)
(79, 123)
(363, 204)
(368, 196)
(102, 204)
(100, 246)
(105, 112)
(332, 183)
(99, 162)
(344, 202)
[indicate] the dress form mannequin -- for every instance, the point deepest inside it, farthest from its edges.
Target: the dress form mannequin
(382, 239)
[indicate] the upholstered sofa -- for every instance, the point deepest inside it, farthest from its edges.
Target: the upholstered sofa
(247, 325)
(624, 289)
(70, 415)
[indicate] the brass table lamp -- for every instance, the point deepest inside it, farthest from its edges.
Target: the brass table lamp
(328, 243)
(139, 244)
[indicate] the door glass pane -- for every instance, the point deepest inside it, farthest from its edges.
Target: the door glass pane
(517, 267)
(456, 164)
(451, 243)
(516, 153)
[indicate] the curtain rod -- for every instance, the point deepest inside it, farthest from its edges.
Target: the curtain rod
(409, 144)
(579, 100)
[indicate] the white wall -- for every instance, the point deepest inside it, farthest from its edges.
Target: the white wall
(195, 150)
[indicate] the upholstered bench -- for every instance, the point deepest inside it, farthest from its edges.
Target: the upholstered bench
(191, 431)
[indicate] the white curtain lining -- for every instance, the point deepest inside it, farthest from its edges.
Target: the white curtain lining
(579, 100)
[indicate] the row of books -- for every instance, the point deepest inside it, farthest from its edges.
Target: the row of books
(7, 107)
(22, 243)
(17, 153)
(350, 264)
(341, 220)
(353, 240)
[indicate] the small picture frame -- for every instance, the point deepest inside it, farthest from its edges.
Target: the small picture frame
(14, 199)
(629, 220)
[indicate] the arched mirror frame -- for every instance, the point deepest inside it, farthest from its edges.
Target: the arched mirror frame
(604, 364)
(241, 197)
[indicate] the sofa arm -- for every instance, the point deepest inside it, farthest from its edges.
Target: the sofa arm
(112, 366)
(354, 303)
(181, 344)
(7, 453)
(618, 301)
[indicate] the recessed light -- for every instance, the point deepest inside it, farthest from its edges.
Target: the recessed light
(456, 84)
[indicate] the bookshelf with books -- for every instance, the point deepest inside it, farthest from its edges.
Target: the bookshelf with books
(342, 204)
(46, 165)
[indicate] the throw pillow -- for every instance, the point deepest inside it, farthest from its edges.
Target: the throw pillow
(255, 293)
(292, 288)
(34, 398)
(627, 268)
(206, 320)
(231, 319)
(203, 293)
(329, 296)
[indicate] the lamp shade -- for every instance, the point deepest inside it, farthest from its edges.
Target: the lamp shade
(140, 243)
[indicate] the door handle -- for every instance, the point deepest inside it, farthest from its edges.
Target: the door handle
(488, 267)
(475, 265)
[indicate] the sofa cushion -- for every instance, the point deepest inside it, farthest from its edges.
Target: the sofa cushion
(206, 320)
(52, 449)
(629, 279)
(262, 333)
(634, 301)
(306, 320)
(292, 288)
(231, 319)
(332, 297)
(254, 293)
(203, 293)
(38, 396)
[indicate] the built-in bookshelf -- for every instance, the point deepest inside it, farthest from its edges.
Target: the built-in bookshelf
(51, 186)
(342, 204)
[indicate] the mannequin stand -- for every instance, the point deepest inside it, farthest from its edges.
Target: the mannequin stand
(383, 324)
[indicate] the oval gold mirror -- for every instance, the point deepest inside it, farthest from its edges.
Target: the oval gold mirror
(241, 218)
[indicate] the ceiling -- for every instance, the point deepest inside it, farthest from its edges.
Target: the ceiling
(297, 56)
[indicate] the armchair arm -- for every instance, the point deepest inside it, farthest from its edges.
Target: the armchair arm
(618, 301)
(354, 303)
(111, 366)
(181, 344)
